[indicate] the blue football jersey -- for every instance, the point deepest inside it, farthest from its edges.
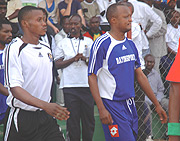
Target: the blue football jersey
(114, 63)
(3, 105)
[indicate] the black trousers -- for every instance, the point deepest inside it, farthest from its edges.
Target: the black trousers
(37, 125)
(80, 103)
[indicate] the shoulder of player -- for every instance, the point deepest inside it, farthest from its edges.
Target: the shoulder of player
(102, 39)
(15, 44)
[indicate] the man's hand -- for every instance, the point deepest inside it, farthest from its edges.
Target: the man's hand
(78, 56)
(105, 117)
(58, 80)
(57, 111)
(56, 30)
(162, 114)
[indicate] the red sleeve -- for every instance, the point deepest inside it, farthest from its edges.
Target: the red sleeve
(174, 72)
(88, 35)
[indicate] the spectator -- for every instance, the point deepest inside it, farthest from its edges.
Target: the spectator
(90, 9)
(71, 56)
(154, 79)
(3, 11)
(58, 38)
(103, 5)
(28, 75)
(71, 7)
(157, 42)
(94, 29)
(64, 31)
(172, 41)
(51, 6)
(5, 38)
(13, 8)
(142, 15)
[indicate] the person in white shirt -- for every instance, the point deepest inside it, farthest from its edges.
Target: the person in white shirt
(28, 76)
(142, 15)
(157, 42)
(103, 5)
(58, 38)
(63, 33)
(71, 55)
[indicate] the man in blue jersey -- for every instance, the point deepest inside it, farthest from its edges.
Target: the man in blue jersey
(113, 64)
(5, 38)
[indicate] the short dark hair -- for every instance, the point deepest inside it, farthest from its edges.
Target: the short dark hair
(112, 10)
(63, 19)
(148, 56)
(4, 22)
(24, 12)
(76, 15)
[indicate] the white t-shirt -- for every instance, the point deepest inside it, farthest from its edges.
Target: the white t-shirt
(103, 5)
(74, 75)
(28, 66)
(172, 37)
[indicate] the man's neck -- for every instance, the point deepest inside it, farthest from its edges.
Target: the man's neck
(147, 71)
(31, 39)
(117, 35)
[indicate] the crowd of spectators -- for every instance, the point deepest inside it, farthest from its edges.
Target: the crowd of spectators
(155, 32)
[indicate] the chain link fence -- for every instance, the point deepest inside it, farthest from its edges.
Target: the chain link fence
(150, 127)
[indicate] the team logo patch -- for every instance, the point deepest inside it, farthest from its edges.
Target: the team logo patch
(50, 56)
(114, 130)
(123, 47)
(40, 55)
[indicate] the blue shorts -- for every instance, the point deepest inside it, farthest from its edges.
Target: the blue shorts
(125, 120)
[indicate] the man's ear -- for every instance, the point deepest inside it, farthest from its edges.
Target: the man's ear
(24, 23)
(113, 20)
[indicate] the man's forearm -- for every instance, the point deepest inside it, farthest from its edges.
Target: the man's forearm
(92, 79)
(60, 64)
(3, 90)
(27, 98)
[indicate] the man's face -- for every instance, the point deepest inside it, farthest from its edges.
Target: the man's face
(175, 19)
(75, 25)
(123, 19)
(5, 34)
(3, 10)
(66, 26)
(36, 23)
(94, 24)
(149, 62)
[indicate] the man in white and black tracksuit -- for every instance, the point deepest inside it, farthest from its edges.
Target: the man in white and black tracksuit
(28, 76)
